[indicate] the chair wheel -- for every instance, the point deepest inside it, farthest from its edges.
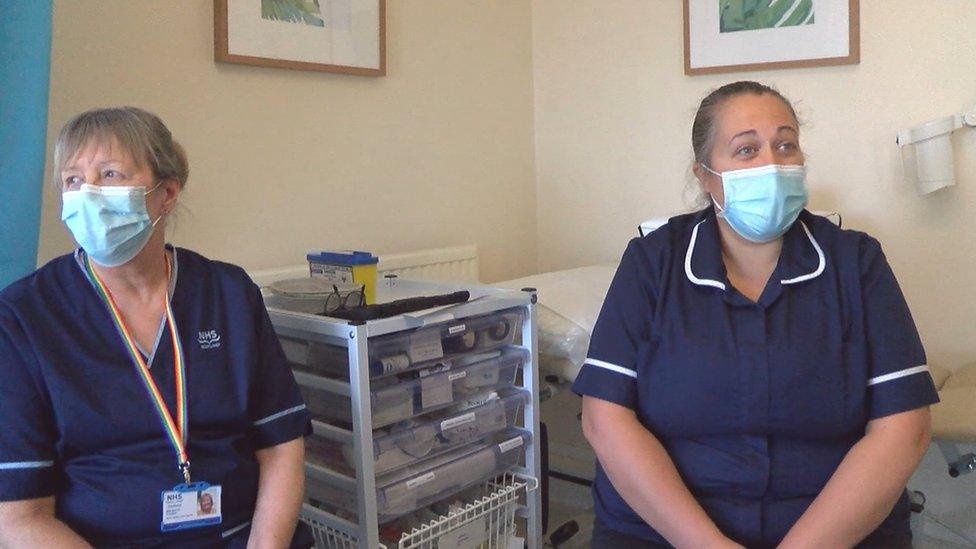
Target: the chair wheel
(917, 500)
(563, 534)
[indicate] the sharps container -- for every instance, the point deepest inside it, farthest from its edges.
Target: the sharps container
(346, 266)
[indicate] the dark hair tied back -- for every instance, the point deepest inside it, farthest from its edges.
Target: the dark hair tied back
(703, 128)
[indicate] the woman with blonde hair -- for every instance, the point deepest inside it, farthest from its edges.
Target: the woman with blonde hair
(135, 375)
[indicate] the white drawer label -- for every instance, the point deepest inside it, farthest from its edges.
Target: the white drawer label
(510, 444)
(457, 375)
(455, 329)
(456, 422)
(421, 480)
(425, 345)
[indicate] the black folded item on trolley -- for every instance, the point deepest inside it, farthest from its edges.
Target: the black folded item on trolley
(399, 307)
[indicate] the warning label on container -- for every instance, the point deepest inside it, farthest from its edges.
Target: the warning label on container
(332, 273)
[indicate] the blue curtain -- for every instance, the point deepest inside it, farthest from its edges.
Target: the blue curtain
(25, 60)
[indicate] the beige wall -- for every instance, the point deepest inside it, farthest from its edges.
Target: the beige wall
(613, 116)
(439, 152)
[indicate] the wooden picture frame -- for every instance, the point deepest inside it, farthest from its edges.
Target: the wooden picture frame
(252, 32)
(802, 37)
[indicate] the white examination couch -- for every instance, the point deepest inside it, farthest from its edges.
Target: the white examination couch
(953, 419)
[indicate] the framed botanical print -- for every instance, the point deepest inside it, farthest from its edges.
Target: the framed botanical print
(342, 36)
(747, 35)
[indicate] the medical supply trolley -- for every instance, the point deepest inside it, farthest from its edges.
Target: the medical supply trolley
(425, 424)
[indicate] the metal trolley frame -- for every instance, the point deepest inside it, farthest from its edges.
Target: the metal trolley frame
(355, 337)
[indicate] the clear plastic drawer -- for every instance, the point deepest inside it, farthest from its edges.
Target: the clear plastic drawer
(412, 349)
(412, 441)
(399, 398)
(411, 488)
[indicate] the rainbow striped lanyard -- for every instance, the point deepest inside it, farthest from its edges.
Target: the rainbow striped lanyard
(176, 431)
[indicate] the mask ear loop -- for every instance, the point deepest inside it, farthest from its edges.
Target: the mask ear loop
(719, 208)
(710, 197)
(145, 194)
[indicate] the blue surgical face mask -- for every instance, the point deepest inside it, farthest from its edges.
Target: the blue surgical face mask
(762, 203)
(111, 224)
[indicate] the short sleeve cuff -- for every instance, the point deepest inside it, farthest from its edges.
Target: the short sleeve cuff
(27, 480)
(901, 391)
(607, 381)
(282, 426)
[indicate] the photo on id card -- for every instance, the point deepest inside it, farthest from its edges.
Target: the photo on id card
(190, 506)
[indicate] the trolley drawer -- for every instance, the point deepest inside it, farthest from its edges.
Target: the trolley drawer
(432, 480)
(395, 399)
(409, 442)
(409, 350)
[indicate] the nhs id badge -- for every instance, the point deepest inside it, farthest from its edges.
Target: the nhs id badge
(190, 506)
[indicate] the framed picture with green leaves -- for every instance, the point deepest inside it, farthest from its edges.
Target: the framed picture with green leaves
(342, 36)
(748, 35)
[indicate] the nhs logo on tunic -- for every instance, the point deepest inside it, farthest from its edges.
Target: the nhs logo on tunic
(208, 339)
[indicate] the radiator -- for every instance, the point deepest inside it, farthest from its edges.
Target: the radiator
(458, 264)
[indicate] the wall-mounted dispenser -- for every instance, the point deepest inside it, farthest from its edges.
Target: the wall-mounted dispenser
(926, 151)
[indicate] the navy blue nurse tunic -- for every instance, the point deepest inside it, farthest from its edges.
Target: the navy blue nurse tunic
(756, 403)
(76, 423)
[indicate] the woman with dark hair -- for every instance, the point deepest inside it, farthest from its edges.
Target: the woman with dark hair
(755, 377)
(137, 377)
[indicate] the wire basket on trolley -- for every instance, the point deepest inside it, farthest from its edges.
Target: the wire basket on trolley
(485, 519)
